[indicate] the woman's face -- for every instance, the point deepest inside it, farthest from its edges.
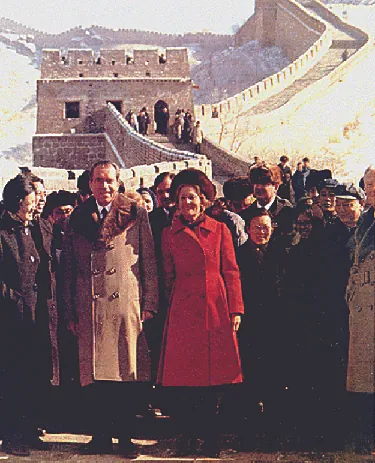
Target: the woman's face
(149, 205)
(189, 203)
(27, 207)
(304, 225)
(260, 230)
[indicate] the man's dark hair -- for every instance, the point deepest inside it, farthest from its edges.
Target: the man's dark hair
(284, 158)
(161, 177)
(306, 159)
(102, 163)
(83, 183)
(33, 178)
(257, 212)
(16, 191)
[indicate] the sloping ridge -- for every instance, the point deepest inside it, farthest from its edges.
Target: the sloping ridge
(344, 37)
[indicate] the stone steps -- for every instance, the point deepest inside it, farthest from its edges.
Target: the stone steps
(169, 142)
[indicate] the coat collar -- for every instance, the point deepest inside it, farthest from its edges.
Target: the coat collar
(85, 219)
(208, 224)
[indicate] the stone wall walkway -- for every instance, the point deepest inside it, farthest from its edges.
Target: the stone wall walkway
(330, 61)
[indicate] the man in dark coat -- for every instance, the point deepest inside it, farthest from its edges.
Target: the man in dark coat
(110, 289)
(265, 180)
(286, 172)
(160, 218)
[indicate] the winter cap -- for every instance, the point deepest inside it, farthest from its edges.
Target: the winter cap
(193, 177)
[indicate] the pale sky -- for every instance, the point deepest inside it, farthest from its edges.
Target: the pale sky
(169, 16)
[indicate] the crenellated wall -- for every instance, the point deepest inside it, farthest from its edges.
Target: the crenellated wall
(242, 102)
(284, 23)
(119, 143)
(135, 149)
(82, 63)
(143, 175)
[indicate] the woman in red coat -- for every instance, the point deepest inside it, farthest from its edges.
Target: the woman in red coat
(200, 350)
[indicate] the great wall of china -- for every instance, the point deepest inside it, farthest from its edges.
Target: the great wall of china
(309, 33)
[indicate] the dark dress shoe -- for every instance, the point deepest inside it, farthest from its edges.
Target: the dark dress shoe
(17, 449)
(37, 444)
(211, 448)
(127, 449)
(97, 446)
(186, 446)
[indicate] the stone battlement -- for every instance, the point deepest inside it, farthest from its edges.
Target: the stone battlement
(83, 63)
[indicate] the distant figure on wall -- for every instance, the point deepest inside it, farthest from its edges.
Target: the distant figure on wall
(144, 121)
(131, 119)
(345, 54)
(162, 120)
(197, 137)
(162, 59)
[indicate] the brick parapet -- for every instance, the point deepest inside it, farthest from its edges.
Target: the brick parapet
(135, 149)
(81, 63)
(69, 151)
(243, 101)
(57, 179)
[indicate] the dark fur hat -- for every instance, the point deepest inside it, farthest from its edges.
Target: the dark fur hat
(193, 177)
(265, 174)
(237, 188)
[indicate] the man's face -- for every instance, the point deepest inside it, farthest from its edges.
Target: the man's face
(27, 207)
(306, 164)
(40, 197)
(104, 184)
(327, 200)
(163, 193)
(349, 211)
(260, 230)
(314, 194)
(264, 193)
(60, 214)
(370, 187)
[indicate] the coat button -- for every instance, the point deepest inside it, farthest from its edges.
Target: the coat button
(359, 308)
(35, 287)
(32, 258)
(115, 295)
(111, 271)
(96, 271)
(96, 297)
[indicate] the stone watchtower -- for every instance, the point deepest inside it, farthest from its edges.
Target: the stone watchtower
(75, 88)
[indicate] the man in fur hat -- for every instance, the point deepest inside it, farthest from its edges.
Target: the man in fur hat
(110, 289)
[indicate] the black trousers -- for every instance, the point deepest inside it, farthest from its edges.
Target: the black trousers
(110, 407)
(362, 420)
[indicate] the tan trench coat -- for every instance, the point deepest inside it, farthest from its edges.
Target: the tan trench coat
(361, 301)
(109, 278)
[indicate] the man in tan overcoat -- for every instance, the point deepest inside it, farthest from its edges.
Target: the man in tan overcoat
(361, 301)
(110, 289)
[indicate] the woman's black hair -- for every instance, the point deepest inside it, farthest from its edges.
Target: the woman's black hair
(15, 191)
(144, 189)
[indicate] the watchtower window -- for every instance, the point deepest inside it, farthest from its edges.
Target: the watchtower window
(80, 61)
(115, 74)
(117, 105)
(72, 110)
(148, 74)
(113, 62)
(80, 75)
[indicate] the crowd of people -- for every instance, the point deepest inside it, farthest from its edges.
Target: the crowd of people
(253, 311)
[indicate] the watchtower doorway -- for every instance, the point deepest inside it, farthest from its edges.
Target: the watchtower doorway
(161, 115)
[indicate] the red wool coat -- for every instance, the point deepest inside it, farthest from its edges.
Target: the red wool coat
(203, 285)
